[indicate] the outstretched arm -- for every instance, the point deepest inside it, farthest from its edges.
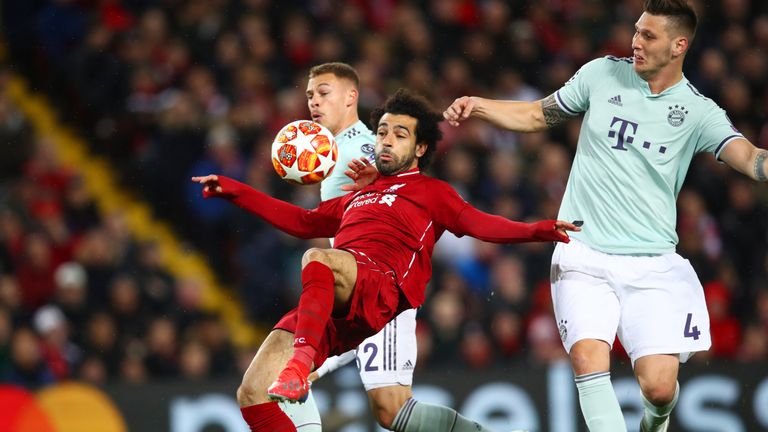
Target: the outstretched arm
(497, 229)
(516, 116)
(294, 220)
(744, 157)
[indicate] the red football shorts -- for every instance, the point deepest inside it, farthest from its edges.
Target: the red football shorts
(376, 300)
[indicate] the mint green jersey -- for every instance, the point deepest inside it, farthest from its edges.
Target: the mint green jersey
(633, 153)
(355, 142)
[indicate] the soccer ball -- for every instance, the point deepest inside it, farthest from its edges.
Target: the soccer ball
(304, 152)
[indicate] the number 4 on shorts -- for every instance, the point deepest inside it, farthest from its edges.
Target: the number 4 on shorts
(691, 332)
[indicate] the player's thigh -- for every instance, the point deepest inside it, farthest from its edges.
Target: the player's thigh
(388, 358)
(344, 266)
(272, 356)
(663, 309)
(586, 306)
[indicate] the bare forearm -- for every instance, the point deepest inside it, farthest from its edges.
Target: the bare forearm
(516, 116)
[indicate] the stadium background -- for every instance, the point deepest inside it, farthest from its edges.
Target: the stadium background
(114, 274)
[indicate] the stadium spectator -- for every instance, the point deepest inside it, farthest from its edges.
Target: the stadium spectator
(60, 355)
(28, 367)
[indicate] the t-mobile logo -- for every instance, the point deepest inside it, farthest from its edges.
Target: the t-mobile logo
(623, 135)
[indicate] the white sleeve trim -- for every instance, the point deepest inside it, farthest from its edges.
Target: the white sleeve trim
(724, 144)
(335, 362)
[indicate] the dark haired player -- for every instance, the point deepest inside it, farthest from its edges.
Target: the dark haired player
(381, 262)
(643, 124)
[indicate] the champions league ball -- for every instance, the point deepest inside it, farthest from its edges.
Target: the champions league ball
(304, 152)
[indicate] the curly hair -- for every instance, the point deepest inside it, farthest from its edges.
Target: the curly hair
(428, 120)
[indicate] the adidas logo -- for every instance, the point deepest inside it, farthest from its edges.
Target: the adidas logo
(408, 365)
(616, 100)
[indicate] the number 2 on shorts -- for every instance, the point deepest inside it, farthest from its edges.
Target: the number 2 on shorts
(375, 349)
(691, 332)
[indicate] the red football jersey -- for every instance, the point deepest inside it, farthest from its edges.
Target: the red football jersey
(395, 221)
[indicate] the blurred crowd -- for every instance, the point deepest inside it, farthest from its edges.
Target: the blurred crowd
(172, 88)
(80, 298)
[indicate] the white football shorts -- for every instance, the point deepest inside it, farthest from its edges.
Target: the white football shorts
(654, 302)
(389, 357)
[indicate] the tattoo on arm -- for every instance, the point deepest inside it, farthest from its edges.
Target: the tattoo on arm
(553, 114)
(760, 173)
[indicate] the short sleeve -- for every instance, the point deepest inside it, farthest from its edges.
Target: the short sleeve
(716, 131)
(573, 96)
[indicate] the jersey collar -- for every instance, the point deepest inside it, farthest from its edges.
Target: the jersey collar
(409, 172)
(395, 177)
(646, 89)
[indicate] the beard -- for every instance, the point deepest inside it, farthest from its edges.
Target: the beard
(654, 65)
(394, 166)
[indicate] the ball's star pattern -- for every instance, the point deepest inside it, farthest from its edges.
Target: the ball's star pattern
(325, 164)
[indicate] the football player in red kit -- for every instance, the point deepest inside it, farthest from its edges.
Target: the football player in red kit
(381, 260)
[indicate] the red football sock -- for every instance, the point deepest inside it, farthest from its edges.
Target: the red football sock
(267, 417)
(315, 306)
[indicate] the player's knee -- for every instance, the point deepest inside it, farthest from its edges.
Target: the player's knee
(246, 394)
(582, 363)
(386, 402)
(657, 392)
(589, 357)
(385, 414)
(315, 254)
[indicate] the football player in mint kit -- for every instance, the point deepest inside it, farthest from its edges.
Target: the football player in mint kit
(643, 123)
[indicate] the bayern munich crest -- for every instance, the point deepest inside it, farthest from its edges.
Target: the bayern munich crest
(676, 115)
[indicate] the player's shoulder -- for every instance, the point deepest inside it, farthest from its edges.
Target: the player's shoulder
(357, 132)
(357, 141)
(695, 97)
(599, 69)
(615, 65)
(612, 59)
(434, 185)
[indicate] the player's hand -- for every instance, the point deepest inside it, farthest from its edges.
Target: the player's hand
(211, 185)
(563, 227)
(459, 110)
(362, 172)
